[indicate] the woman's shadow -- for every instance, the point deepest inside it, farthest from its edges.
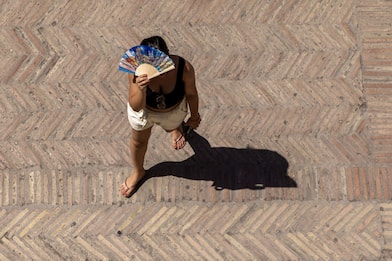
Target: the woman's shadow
(228, 168)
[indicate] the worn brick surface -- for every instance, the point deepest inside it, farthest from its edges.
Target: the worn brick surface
(292, 160)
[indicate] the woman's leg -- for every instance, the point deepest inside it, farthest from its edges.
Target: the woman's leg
(138, 146)
(173, 124)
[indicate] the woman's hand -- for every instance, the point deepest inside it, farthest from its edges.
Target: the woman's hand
(142, 81)
(194, 121)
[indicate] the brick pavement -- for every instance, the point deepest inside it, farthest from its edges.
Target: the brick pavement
(292, 160)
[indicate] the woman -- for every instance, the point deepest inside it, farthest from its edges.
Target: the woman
(163, 100)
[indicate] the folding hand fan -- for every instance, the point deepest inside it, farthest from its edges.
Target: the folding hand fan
(143, 59)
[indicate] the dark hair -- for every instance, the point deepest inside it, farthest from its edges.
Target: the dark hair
(156, 42)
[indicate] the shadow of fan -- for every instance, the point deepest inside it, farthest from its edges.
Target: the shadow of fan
(228, 168)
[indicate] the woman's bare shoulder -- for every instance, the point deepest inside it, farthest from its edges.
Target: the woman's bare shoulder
(188, 65)
(188, 68)
(189, 72)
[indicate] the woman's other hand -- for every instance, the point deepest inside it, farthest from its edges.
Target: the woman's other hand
(194, 121)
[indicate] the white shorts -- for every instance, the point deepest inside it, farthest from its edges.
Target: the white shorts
(145, 118)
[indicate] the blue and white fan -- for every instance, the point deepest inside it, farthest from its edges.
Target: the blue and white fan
(143, 59)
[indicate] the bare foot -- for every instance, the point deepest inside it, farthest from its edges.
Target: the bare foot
(178, 139)
(129, 186)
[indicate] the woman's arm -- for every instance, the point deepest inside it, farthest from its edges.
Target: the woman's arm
(191, 95)
(137, 91)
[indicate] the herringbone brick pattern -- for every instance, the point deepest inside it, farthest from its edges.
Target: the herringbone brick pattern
(223, 231)
(292, 160)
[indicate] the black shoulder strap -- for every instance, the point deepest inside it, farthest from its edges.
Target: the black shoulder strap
(181, 64)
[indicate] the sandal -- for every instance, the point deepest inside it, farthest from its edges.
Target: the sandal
(132, 191)
(181, 137)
